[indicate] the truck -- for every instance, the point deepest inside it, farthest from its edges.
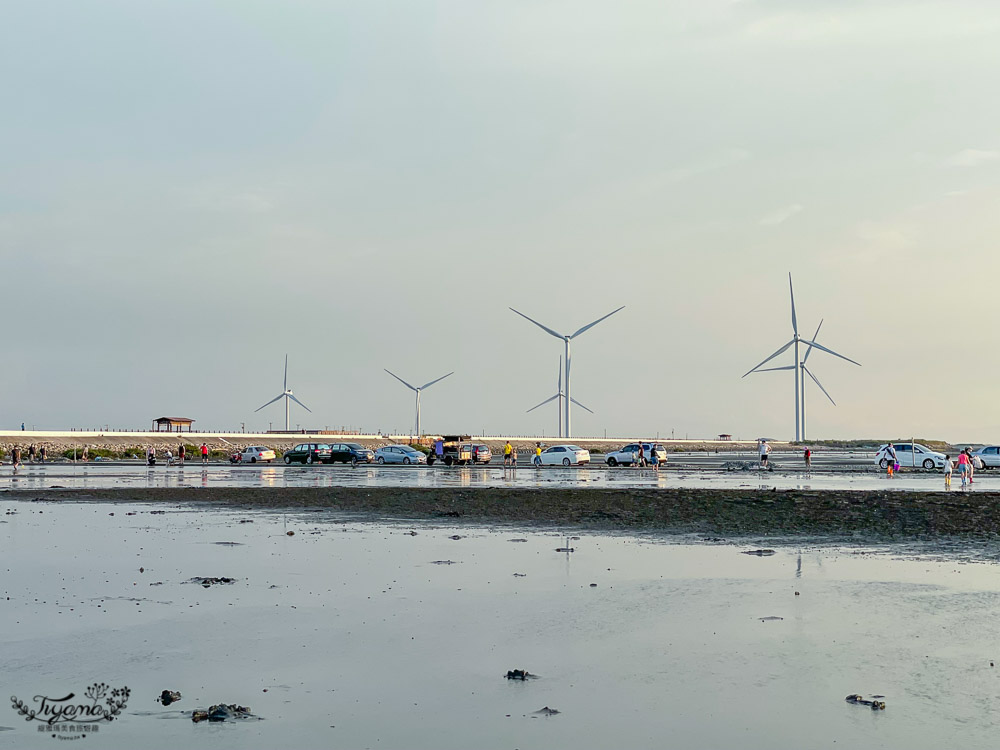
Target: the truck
(457, 450)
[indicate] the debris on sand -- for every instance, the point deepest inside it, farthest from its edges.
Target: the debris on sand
(222, 712)
(517, 540)
(565, 549)
(169, 696)
(211, 581)
(546, 711)
(443, 562)
(759, 552)
(772, 618)
(520, 674)
(454, 537)
(875, 705)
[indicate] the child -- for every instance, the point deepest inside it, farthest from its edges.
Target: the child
(947, 472)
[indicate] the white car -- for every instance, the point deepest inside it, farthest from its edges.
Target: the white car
(990, 456)
(256, 453)
(629, 454)
(399, 454)
(911, 454)
(565, 455)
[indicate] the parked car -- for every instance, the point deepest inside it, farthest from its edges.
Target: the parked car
(990, 456)
(565, 455)
(911, 454)
(253, 454)
(350, 453)
(627, 455)
(399, 454)
(481, 453)
(308, 453)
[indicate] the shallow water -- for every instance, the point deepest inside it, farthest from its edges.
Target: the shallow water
(361, 640)
(103, 476)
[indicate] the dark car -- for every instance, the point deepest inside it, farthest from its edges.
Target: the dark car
(350, 453)
(308, 453)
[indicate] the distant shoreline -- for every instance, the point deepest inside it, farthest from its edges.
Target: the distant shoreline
(884, 515)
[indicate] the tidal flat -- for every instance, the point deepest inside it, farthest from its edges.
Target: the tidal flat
(398, 633)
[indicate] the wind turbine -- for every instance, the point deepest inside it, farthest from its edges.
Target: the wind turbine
(417, 390)
(559, 395)
(287, 395)
(566, 339)
(799, 365)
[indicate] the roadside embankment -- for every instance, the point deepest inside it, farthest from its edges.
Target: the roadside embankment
(894, 514)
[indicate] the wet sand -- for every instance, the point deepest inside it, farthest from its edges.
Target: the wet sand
(882, 514)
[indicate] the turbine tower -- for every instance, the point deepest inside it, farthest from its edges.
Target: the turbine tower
(559, 395)
(417, 390)
(566, 339)
(287, 395)
(799, 366)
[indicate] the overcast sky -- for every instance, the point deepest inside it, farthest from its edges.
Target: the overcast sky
(189, 190)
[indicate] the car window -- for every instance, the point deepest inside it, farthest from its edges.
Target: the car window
(903, 447)
(353, 446)
(574, 448)
(299, 447)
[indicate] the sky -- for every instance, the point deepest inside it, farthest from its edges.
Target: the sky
(189, 190)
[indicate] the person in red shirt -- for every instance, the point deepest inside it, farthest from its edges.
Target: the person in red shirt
(204, 453)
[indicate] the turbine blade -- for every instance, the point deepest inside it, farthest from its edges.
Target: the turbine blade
(269, 402)
(428, 385)
(544, 328)
(573, 400)
(816, 381)
(815, 335)
(401, 380)
(782, 350)
(591, 325)
(795, 323)
(285, 386)
(299, 403)
(831, 351)
(548, 400)
(773, 369)
(559, 390)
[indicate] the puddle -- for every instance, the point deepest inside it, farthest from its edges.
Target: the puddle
(354, 640)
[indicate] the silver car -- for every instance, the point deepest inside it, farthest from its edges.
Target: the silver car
(990, 456)
(399, 454)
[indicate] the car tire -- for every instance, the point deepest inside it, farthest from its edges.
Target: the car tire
(612, 461)
(309, 459)
(288, 460)
(380, 460)
(566, 462)
(447, 460)
(928, 463)
(883, 464)
(253, 460)
(354, 462)
(406, 461)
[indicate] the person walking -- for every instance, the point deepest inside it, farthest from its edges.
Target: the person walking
(204, 454)
(890, 457)
(963, 466)
(86, 453)
(513, 458)
(807, 455)
(41, 454)
(170, 458)
(508, 449)
(947, 472)
(180, 455)
(15, 458)
(654, 457)
(31, 453)
(538, 455)
(975, 462)
(642, 456)
(439, 449)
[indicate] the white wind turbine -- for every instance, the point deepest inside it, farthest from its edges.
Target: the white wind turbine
(559, 395)
(417, 390)
(799, 366)
(287, 395)
(566, 339)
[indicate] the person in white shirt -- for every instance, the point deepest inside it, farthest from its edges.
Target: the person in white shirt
(765, 450)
